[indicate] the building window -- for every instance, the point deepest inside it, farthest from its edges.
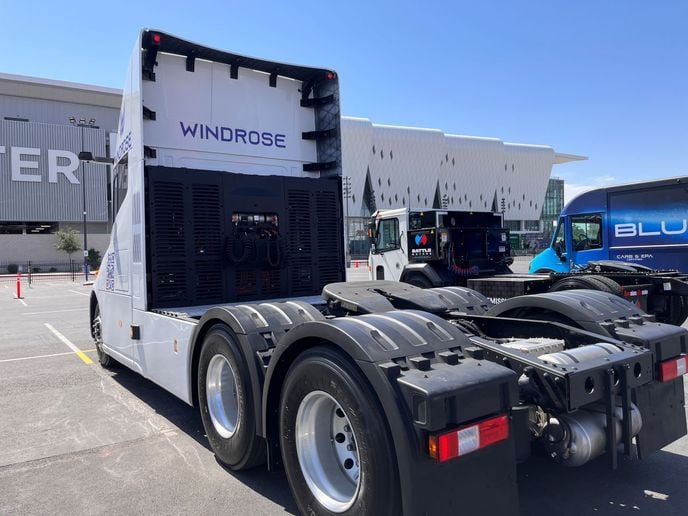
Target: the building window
(29, 228)
(512, 225)
(531, 225)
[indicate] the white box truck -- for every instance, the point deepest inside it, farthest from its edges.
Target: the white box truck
(222, 283)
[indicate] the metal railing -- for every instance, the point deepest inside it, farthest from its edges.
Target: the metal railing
(34, 272)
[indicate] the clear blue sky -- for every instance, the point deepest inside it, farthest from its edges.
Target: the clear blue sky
(606, 79)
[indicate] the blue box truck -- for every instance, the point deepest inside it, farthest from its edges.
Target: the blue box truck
(640, 223)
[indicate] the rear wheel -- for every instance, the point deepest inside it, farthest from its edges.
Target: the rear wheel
(611, 286)
(226, 402)
(578, 282)
(678, 310)
(335, 445)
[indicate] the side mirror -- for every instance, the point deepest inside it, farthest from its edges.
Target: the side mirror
(371, 232)
(560, 253)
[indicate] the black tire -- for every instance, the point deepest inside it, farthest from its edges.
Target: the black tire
(611, 286)
(243, 449)
(678, 309)
(578, 282)
(418, 280)
(323, 369)
(104, 359)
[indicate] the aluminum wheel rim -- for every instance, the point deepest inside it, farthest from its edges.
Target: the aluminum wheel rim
(327, 450)
(222, 396)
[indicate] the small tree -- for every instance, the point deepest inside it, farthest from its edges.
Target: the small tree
(67, 241)
(93, 258)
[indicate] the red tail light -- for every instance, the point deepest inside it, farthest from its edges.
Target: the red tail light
(670, 369)
(467, 439)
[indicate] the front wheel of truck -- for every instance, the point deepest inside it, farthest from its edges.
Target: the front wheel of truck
(104, 359)
(335, 444)
(225, 401)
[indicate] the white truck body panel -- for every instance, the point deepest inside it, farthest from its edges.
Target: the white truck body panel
(198, 115)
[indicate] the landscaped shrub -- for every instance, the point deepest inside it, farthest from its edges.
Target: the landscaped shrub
(12, 268)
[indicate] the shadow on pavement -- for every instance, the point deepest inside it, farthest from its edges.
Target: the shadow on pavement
(654, 486)
(272, 486)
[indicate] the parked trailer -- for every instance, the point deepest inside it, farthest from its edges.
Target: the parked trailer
(223, 284)
(434, 248)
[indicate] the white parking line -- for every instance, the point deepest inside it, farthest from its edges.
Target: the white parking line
(80, 293)
(43, 356)
(55, 311)
(22, 302)
(71, 346)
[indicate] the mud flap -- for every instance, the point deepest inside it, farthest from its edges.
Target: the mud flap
(664, 418)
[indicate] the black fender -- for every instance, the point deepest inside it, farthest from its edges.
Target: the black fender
(256, 328)
(413, 362)
(425, 269)
(592, 310)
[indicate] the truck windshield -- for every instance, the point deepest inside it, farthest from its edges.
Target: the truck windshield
(586, 231)
(387, 235)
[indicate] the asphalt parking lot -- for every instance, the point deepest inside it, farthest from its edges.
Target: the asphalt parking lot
(79, 439)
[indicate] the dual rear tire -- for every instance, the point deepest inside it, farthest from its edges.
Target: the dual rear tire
(335, 445)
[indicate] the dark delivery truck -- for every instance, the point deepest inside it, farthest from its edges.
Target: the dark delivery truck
(640, 223)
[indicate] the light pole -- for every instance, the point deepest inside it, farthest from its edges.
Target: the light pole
(91, 124)
(346, 180)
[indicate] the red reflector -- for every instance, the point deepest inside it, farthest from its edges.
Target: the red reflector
(670, 369)
(467, 439)
(330, 75)
(156, 39)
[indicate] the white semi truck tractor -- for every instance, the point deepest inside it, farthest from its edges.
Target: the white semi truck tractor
(224, 284)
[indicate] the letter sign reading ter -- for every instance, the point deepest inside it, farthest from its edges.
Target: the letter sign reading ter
(23, 166)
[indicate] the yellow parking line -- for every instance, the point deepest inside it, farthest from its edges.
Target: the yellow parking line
(44, 356)
(71, 346)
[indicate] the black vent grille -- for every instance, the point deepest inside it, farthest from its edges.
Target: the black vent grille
(168, 219)
(328, 222)
(209, 287)
(270, 284)
(245, 284)
(300, 242)
(207, 223)
(190, 220)
(170, 283)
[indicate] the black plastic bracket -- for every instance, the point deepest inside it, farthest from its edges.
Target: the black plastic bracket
(148, 114)
(149, 63)
(317, 101)
(191, 62)
(234, 71)
(319, 135)
(610, 407)
(149, 152)
(626, 423)
(273, 80)
(316, 167)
